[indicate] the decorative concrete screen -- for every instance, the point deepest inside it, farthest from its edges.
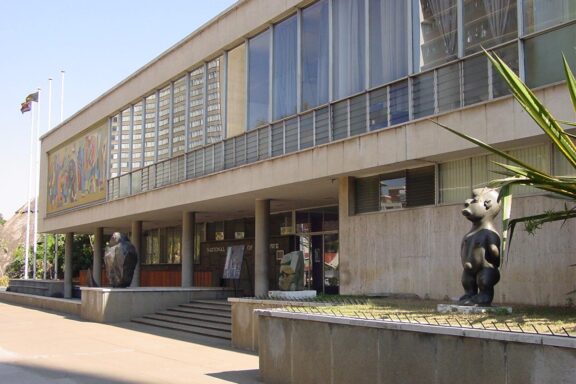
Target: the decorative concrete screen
(77, 171)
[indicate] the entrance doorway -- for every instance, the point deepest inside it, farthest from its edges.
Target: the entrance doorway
(321, 262)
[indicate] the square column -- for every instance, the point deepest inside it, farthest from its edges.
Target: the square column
(68, 265)
(136, 240)
(188, 228)
(98, 255)
(261, 247)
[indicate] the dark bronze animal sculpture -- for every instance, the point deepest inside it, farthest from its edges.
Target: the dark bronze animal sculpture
(480, 252)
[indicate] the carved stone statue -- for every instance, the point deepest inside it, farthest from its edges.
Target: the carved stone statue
(480, 250)
(120, 260)
(292, 272)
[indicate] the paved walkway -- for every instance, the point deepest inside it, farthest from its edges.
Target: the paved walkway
(39, 347)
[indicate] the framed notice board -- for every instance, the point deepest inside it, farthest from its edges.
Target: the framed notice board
(233, 265)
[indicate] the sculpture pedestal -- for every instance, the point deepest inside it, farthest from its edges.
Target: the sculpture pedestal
(454, 308)
(291, 295)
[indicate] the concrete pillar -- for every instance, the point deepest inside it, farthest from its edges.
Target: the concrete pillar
(98, 255)
(68, 265)
(188, 228)
(136, 240)
(261, 247)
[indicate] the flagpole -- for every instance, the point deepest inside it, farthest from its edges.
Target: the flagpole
(45, 256)
(62, 95)
(37, 138)
(61, 119)
(27, 240)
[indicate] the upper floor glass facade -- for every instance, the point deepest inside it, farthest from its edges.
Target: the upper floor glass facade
(331, 70)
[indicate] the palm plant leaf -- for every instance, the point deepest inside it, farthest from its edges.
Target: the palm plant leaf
(536, 109)
(570, 81)
(538, 220)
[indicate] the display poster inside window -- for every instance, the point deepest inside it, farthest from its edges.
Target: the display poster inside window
(233, 265)
(219, 236)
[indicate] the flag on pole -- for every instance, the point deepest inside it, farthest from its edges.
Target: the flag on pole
(32, 97)
(27, 105)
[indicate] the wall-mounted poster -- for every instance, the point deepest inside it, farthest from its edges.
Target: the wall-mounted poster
(233, 266)
(77, 171)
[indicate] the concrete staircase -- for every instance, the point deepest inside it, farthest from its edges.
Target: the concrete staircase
(211, 318)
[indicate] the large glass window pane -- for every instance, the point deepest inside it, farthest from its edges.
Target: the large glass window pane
(322, 117)
(455, 181)
(448, 82)
(214, 128)
(543, 56)
(562, 167)
(399, 112)
(315, 55)
(164, 123)
(236, 91)
(263, 143)
(306, 131)
(340, 120)
(537, 156)
(137, 138)
(196, 90)
(150, 130)
(179, 117)
(125, 140)
(258, 80)
(423, 95)
(388, 41)
(541, 14)
(510, 56)
(379, 108)
(151, 247)
(278, 139)
(488, 23)
(114, 160)
(285, 63)
(252, 147)
(291, 135)
(475, 79)
(348, 48)
(436, 35)
(358, 115)
(392, 191)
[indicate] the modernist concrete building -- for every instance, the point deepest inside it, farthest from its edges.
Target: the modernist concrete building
(287, 125)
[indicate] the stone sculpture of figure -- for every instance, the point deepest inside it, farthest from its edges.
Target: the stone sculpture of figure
(480, 250)
(292, 272)
(120, 260)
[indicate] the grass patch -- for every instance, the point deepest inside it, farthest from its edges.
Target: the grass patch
(524, 318)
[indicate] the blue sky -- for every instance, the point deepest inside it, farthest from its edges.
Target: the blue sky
(96, 43)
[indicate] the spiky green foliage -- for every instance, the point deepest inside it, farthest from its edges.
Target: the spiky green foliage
(521, 173)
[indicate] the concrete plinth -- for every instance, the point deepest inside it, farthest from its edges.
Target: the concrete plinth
(291, 295)
(453, 308)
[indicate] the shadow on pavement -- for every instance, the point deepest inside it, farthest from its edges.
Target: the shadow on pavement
(249, 376)
(24, 373)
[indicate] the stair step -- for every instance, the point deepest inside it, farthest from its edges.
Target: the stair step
(190, 322)
(202, 311)
(222, 334)
(225, 307)
(196, 316)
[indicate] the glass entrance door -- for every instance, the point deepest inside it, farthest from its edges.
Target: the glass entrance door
(321, 262)
(331, 264)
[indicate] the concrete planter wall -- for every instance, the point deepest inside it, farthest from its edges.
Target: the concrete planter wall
(304, 348)
(245, 320)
